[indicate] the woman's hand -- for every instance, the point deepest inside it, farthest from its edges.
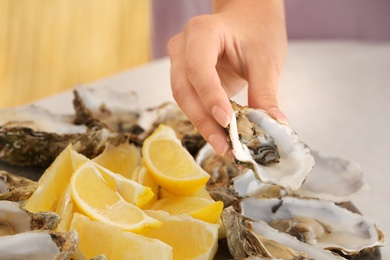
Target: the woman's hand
(242, 44)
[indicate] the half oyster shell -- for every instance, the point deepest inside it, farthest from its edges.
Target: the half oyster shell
(272, 150)
(15, 220)
(26, 235)
(316, 222)
(332, 178)
(39, 245)
(15, 188)
(247, 237)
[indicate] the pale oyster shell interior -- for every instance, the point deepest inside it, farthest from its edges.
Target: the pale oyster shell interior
(344, 230)
(38, 119)
(295, 157)
(333, 178)
(248, 237)
(27, 235)
(15, 220)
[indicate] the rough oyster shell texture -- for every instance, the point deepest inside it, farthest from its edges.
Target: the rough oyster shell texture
(29, 235)
(15, 188)
(33, 136)
(266, 181)
(272, 150)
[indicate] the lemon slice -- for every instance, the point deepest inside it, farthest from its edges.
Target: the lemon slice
(130, 190)
(65, 209)
(200, 208)
(54, 181)
(142, 176)
(190, 238)
(97, 238)
(98, 198)
(122, 159)
(171, 165)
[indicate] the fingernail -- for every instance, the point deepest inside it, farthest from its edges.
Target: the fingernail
(218, 143)
(278, 115)
(220, 115)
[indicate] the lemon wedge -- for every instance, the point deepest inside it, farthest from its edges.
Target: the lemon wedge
(199, 208)
(54, 181)
(97, 238)
(170, 164)
(97, 196)
(190, 238)
(122, 159)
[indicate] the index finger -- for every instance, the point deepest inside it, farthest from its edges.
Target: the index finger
(203, 47)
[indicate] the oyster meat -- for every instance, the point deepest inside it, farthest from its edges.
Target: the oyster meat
(272, 150)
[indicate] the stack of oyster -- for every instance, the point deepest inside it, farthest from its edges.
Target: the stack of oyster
(282, 201)
(286, 202)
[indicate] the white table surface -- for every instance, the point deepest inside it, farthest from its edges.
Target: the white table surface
(336, 96)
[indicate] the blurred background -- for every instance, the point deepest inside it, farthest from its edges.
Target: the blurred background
(47, 46)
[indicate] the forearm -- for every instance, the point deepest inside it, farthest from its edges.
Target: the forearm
(269, 7)
(270, 13)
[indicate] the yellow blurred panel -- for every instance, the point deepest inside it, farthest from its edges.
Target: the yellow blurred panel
(51, 45)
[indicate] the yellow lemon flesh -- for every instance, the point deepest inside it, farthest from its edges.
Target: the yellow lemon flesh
(97, 238)
(200, 208)
(190, 238)
(54, 181)
(171, 165)
(142, 176)
(130, 190)
(99, 199)
(122, 159)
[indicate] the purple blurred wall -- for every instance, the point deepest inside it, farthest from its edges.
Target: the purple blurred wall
(306, 19)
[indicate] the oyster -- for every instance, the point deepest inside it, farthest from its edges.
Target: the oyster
(15, 188)
(28, 235)
(332, 178)
(32, 136)
(101, 108)
(221, 170)
(15, 220)
(317, 222)
(272, 150)
(247, 185)
(247, 237)
(39, 245)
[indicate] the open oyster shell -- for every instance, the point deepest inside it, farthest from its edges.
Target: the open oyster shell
(316, 222)
(39, 245)
(332, 178)
(33, 136)
(272, 150)
(15, 220)
(247, 237)
(15, 188)
(26, 235)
